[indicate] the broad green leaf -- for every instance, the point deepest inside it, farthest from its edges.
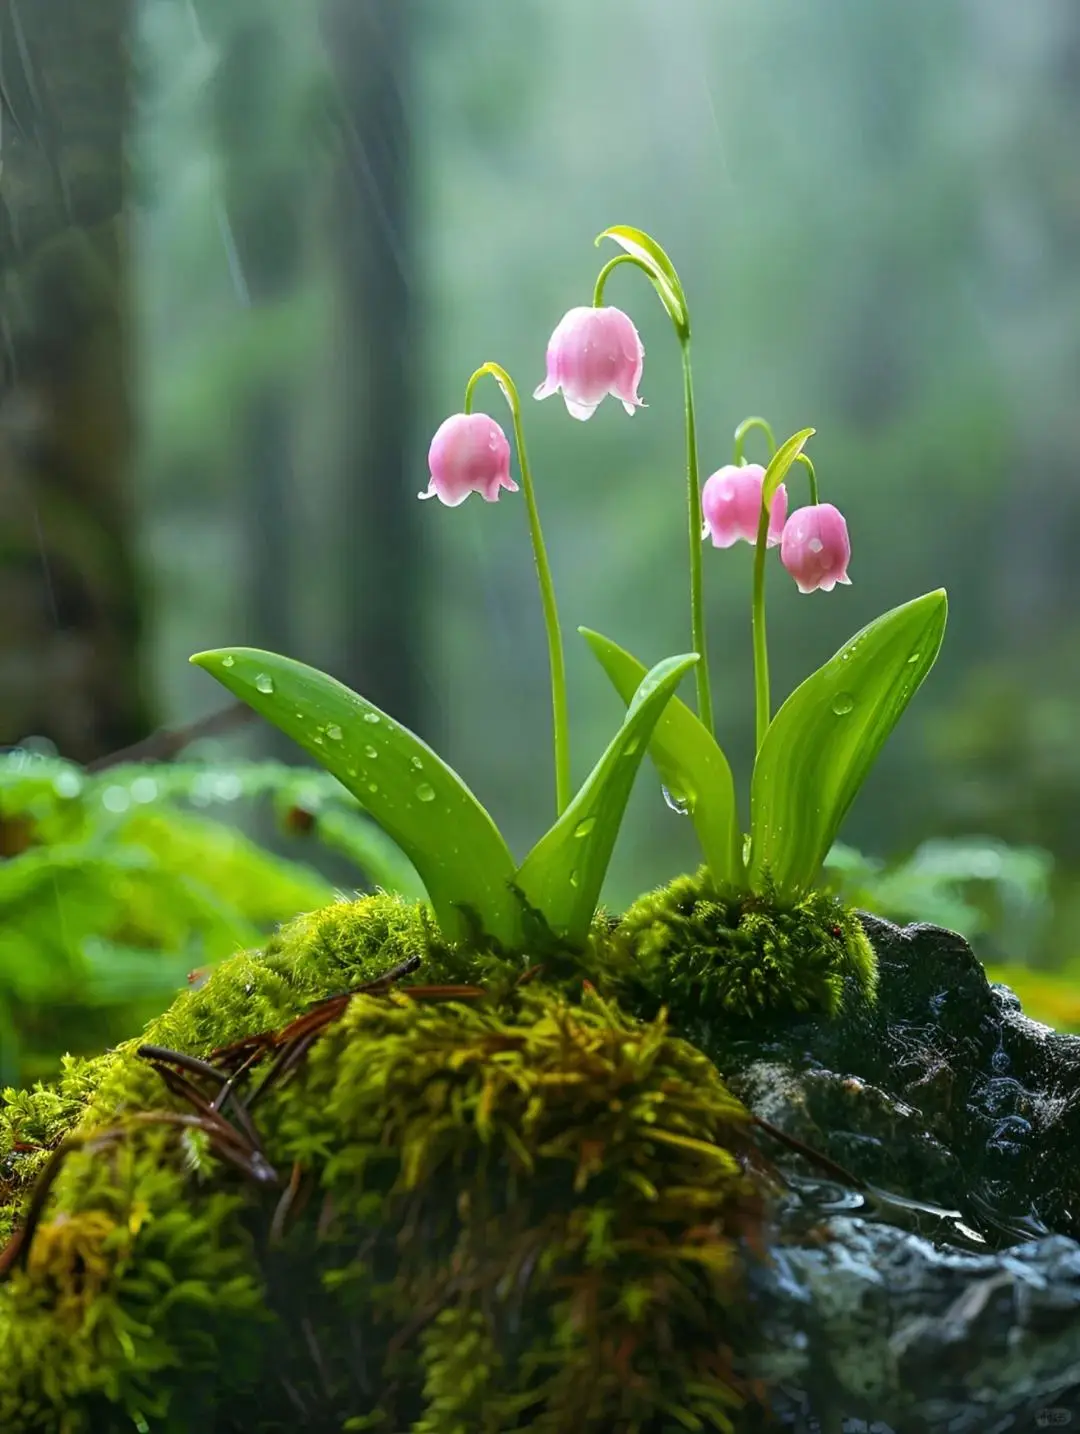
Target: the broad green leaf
(647, 253)
(409, 790)
(689, 761)
(781, 461)
(564, 872)
(824, 739)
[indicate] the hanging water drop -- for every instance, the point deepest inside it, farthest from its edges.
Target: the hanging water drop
(425, 792)
(843, 703)
(677, 802)
(264, 682)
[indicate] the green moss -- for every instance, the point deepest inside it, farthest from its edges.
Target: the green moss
(528, 1210)
(701, 951)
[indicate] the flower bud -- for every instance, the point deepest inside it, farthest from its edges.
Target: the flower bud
(594, 352)
(469, 454)
(815, 548)
(731, 505)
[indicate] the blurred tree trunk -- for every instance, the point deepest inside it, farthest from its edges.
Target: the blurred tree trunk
(69, 642)
(377, 357)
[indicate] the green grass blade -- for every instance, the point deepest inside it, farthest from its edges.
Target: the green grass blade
(406, 787)
(826, 736)
(689, 761)
(564, 872)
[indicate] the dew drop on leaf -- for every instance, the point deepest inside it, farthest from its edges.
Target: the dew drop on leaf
(372, 786)
(333, 731)
(264, 682)
(425, 792)
(574, 878)
(585, 827)
(370, 751)
(914, 657)
(372, 717)
(843, 702)
(418, 764)
(228, 661)
(631, 746)
(676, 801)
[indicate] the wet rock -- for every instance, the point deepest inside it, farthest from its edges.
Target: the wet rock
(943, 1091)
(938, 1292)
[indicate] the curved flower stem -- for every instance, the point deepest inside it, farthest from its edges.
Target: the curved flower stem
(560, 720)
(602, 277)
(745, 427)
(693, 493)
(802, 458)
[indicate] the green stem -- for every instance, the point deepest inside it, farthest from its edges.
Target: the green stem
(693, 485)
(745, 427)
(560, 719)
(761, 651)
(602, 277)
(813, 478)
(693, 493)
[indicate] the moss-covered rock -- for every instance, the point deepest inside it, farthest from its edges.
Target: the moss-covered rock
(497, 1201)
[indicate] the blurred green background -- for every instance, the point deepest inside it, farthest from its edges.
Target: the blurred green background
(253, 249)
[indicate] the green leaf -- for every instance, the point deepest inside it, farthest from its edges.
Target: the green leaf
(689, 761)
(648, 255)
(564, 872)
(781, 461)
(409, 790)
(824, 739)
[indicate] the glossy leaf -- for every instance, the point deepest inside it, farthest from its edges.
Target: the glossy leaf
(649, 256)
(689, 762)
(564, 872)
(408, 789)
(781, 461)
(824, 739)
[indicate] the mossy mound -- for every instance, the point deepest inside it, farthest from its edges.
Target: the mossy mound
(500, 1202)
(727, 956)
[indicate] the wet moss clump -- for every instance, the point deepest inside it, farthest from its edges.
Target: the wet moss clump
(702, 951)
(489, 1200)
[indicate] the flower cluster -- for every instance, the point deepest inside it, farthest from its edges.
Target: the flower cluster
(595, 352)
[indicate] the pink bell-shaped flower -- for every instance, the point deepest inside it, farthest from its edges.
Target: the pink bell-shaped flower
(731, 505)
(815, 548)
(469, 454)
(594, 352)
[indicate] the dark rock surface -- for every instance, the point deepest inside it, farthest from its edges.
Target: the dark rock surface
(939, 1292)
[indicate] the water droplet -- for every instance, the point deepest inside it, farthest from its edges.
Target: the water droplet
(584, 828)
(370, 751)
(843, 702)
(317, 739)
(574, 878)
(228, 661)
(333, 731)
(677, 802)
(372, 717)
(632, 746)
(373, 786)
(67, 784)
(914, 657)
(264, 682)
(418, 764)
(300, 717)
(425, 792)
